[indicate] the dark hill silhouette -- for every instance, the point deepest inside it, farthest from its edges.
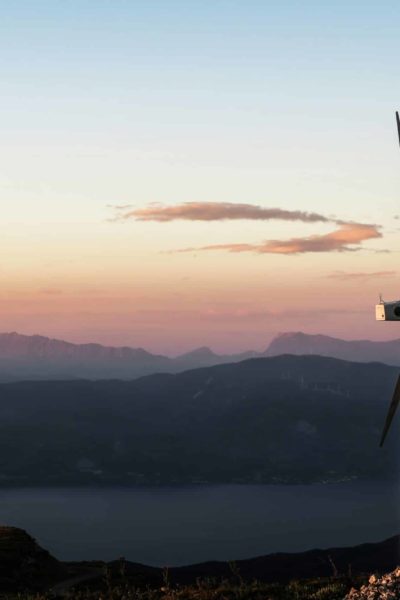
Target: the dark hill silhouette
(284, 567)
(23, 563)
(26, 566)
(280, 419)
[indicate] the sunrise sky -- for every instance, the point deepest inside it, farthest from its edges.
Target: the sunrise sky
(184, 173)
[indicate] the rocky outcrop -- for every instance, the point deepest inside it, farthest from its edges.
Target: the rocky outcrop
(378, 588)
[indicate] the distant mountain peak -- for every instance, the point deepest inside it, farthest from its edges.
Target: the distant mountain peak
(202, 352)
(289, 334)
(324, 345)
(300, 335)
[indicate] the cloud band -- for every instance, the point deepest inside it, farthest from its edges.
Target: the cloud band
(219, 211)
(347, 238)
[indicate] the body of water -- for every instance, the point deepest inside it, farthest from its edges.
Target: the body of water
(181, 525)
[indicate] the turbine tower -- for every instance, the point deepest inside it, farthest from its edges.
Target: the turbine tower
(396, 394)
(398, 124)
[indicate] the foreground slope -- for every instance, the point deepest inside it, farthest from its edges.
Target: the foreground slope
(283, 419)
(327, 574)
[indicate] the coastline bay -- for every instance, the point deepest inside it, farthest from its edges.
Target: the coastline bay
(170, 526)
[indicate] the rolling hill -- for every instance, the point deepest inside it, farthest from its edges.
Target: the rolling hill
(280, 419)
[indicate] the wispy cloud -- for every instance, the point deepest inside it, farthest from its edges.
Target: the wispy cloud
(254, 315)
(347, 238)
(119, 206)
(218, 211)
(347, 276)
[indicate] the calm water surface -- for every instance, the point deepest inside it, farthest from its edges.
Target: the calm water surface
(182, 525)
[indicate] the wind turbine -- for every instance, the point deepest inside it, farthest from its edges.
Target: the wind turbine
(389, 311)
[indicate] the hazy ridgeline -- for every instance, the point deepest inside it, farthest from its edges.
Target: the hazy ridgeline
(39, 357)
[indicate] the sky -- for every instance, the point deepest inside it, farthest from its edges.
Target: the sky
(181, 173)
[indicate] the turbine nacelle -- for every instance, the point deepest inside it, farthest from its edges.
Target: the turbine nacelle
(387, 311)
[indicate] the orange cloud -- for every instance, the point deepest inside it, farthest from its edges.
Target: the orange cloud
(345, 239)
(219, 211)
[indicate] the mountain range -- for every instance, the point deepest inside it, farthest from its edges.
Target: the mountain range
(39, 357)
(294, 419)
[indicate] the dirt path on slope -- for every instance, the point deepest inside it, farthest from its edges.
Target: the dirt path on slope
(60, 589)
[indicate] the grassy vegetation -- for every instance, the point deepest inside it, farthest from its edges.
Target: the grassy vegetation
(27, 572)
(115, 585)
